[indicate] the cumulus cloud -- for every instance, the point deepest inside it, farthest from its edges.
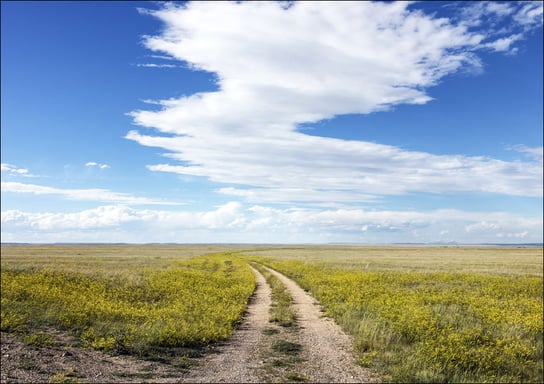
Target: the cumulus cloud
(235, 222)
(100, 217)
(278, 67)
(93, 194)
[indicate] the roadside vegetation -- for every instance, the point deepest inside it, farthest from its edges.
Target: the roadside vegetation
(434, 326)
(139, 311)
(281, 310)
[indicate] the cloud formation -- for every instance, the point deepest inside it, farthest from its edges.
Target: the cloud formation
(234, 222)
(154, 65)
(93, 194)
(98, 165)
(14, 170)
(280, 66)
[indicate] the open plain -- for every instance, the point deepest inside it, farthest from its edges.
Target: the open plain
(127, 313)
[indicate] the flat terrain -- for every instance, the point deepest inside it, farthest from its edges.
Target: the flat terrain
(325, 353)
(509, 260)
(109, 258)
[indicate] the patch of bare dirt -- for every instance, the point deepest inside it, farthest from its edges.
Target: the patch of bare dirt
(63, 362)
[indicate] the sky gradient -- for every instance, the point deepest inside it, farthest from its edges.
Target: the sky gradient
(272, 122)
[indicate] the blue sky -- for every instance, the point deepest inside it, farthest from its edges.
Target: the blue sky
(264, 122)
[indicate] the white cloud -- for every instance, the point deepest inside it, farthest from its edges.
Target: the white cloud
(161, 57)
(153, 65)
(232, 222)
(530, 13)
(225, 216)
(101, 217)
(277, 68)
(96, 194)
(504, 44)
(476, 13)
(285, 195)
(522, 17)
(330, 168)
(537, 153)
(98, 165)
(14, 170)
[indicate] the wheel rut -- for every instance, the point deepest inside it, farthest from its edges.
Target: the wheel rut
(327, 351)
(235, 361)
(326, 354)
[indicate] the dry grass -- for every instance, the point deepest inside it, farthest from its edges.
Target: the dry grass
(103, 259)
(494, 271)
(114, 258)
(412, 326)
(481, 259)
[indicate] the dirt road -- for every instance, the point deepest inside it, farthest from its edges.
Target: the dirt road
(328, 350)
(237, 360)
(325, 356)
(323, 353)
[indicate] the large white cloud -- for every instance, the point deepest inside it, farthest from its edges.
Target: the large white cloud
(281, 65)
(346, 170)
(234, 222)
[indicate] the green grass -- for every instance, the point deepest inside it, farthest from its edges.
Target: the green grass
(69, 376)
(286, 347)
(296, 377)
(39, 340)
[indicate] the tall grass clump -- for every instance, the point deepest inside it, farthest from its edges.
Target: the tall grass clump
(434, 326)
(189, 303)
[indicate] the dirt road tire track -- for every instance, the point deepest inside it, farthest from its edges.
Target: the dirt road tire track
(237, 359)
(328, 351)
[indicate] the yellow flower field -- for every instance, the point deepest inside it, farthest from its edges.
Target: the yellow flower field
(189, 303)
(434, 326)
(424, 314)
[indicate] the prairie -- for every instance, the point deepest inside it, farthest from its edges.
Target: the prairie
(116, 299)
(415, 314)
(487, 259)
(430, 314)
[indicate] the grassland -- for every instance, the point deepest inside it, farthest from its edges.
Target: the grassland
(416, 314)
(133, 303)
(428, 314)
(526, 261)
(102, 259)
